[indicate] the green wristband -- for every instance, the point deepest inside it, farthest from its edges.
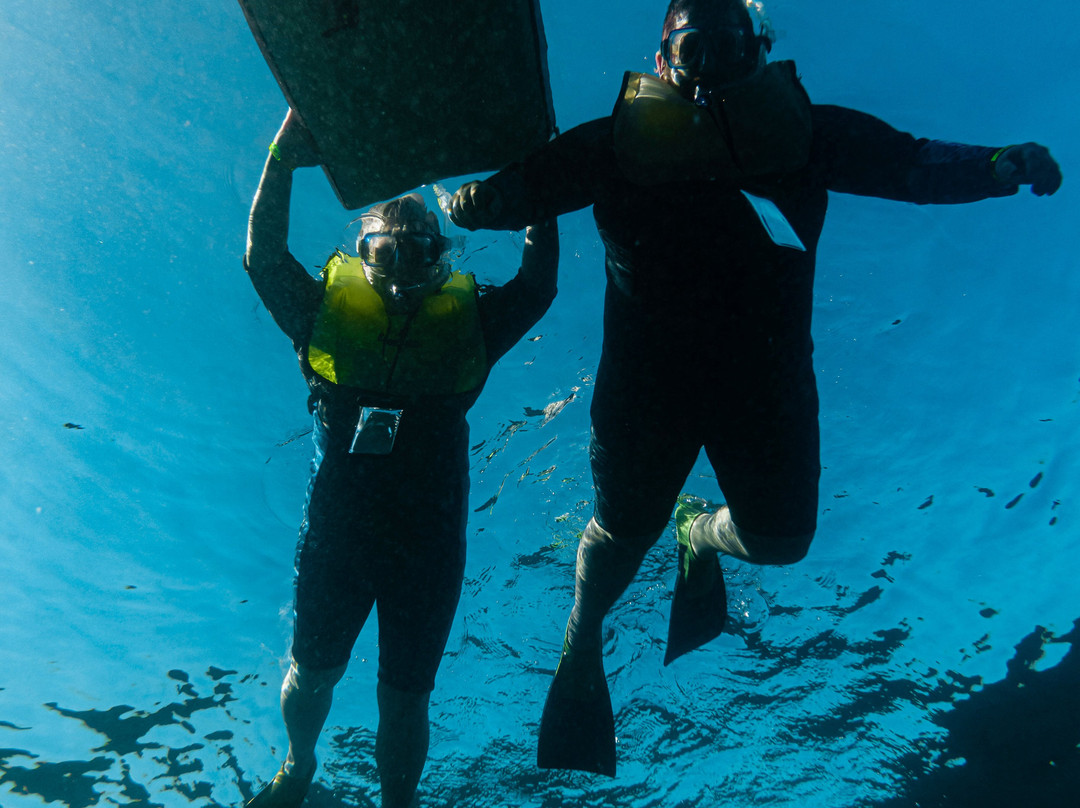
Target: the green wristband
(276, 152)
(994, 159)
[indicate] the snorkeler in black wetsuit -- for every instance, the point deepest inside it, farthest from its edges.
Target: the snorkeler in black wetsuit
(709, 187)
(395, 349)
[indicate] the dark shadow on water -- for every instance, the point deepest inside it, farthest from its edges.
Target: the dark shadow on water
(1012, 744)
(71, 783)
(107, 777)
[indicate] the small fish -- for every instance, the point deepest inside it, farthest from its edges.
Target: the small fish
(895, 556)
(489, 504)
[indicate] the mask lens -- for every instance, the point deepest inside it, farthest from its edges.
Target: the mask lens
(685, 47)
(378, 249)
(412, 249)
(691, 50)
(729, 45)
(418, 249)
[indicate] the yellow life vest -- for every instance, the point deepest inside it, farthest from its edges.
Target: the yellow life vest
(437, 349)
(757, 128)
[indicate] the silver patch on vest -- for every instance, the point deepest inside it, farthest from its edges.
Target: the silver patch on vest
(375, 431)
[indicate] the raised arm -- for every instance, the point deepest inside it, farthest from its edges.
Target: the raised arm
(510, 310)
(290, 294)
(268, 225)
(540, 259)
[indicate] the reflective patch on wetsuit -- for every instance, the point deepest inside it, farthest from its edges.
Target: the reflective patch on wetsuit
(375, 431)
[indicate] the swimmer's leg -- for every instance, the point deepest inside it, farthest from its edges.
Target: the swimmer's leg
(577, 729)
(306, 696)
(401, 743)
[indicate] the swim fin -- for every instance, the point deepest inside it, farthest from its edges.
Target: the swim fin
(699, 608)
(577, 728)
(284, 791)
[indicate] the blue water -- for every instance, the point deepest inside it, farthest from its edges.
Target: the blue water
(153, 456)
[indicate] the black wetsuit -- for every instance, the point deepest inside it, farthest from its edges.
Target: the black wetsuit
(385, 530)
(707, 321)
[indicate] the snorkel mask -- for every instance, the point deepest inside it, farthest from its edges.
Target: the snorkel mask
(402, 254)
(716, 55)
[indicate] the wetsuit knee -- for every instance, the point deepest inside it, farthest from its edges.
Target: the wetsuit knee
(717, 532)
(775, 550)
(596, 534)
(311, 680)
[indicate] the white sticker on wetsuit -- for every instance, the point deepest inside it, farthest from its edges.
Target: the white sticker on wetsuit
(779, 228)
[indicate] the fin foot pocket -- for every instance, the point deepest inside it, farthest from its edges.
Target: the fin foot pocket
(284, 791)
(699, 608)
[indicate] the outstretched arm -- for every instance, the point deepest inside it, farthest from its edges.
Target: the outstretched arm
(864, 155)
(561, 176)
(289, 293)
